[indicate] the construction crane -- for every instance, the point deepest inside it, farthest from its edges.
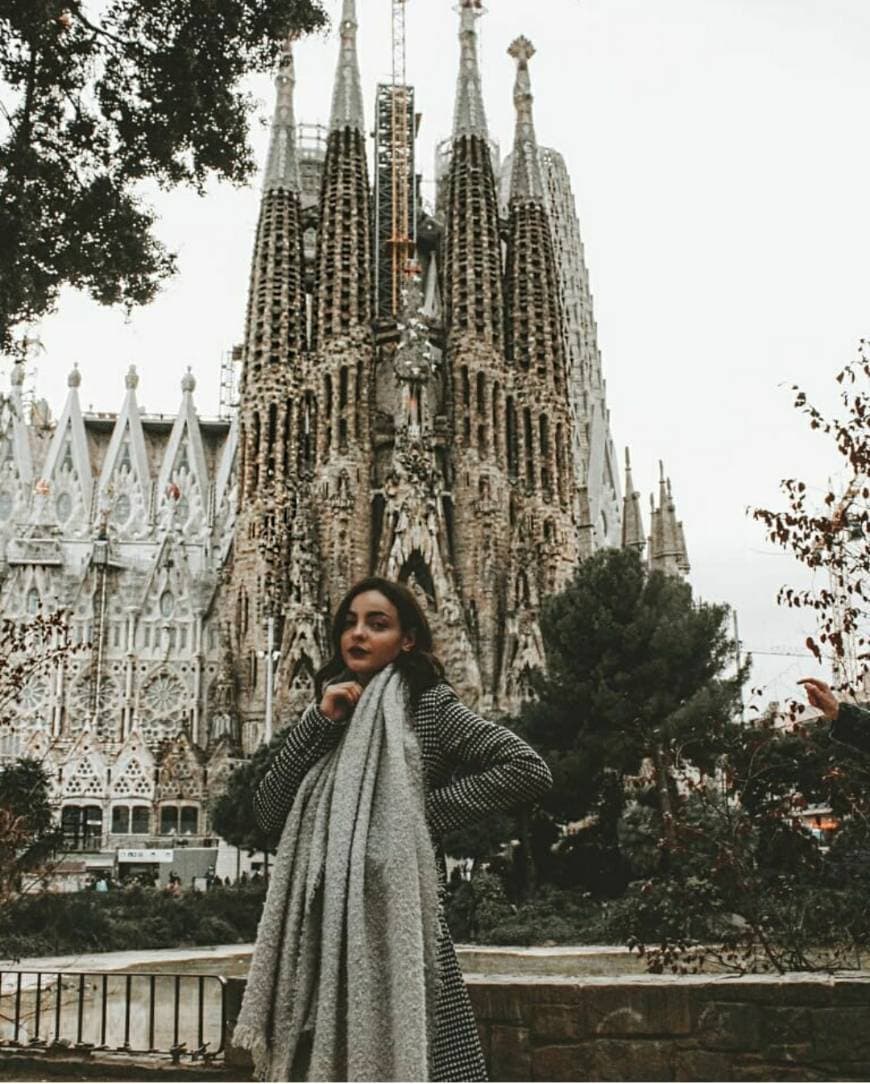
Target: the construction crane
(402, 133)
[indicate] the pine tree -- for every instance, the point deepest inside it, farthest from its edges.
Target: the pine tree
(637, 674)
(94, 103)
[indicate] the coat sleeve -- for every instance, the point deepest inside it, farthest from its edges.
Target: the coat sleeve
(499, 769)
(852, 727)
(314, 735)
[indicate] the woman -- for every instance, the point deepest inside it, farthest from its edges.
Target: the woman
(851, 722)
(354, 975)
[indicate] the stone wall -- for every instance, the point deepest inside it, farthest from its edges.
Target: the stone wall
(799, 1027)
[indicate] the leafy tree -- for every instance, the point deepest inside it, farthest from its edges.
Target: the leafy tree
(28, 651)
(752, 888)
(635, 676)
(481, 839)
(98, 97)
(27, 836)
(836, 536)
(232, 813)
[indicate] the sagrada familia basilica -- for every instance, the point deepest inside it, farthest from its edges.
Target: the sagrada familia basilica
(447, 427)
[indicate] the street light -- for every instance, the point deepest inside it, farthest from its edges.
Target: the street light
(271, 655)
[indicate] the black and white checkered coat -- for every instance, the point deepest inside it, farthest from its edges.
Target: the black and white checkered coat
(499, 771)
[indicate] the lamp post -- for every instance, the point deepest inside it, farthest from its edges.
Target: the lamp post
(271, 656)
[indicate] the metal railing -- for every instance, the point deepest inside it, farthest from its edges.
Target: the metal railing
(129, 1012)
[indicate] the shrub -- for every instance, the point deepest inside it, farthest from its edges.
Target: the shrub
(134, 918)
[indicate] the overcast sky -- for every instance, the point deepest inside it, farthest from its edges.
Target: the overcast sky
(720, 161)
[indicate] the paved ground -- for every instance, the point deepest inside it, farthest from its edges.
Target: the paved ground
(233, 960)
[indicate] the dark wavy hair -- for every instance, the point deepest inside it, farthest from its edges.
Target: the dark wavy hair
(420, 667)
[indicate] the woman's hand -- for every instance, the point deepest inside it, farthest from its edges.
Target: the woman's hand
(820, 696)
(339, 700)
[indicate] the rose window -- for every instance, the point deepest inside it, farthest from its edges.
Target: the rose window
(34, 695)
(163, 696)
(167, 603)
(85, 701)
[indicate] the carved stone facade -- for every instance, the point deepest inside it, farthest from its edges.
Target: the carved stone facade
(460, 444)
(124, 523)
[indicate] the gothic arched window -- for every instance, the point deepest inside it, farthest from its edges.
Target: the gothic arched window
(560, 463)
(544, 444)
(513, 457)
(270, 441)
(496, 411)
(529, 447)
(285, 439)
(255, 454)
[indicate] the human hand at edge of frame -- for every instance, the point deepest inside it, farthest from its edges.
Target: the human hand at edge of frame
(340, 699)
(820, 696)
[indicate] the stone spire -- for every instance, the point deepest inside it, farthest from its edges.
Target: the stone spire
(632, 522)
(535, 339)
(343, 262)
(472, 252)
(276, 331)
(667, 545)
(275, 350)
(682, 553)
(282, 165)
(469, 115)
(347, 100)
(526, 179)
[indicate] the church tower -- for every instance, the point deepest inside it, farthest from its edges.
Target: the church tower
(544, 513)
(272, 419)
(448, 428)
(328, 545)
(477, 373)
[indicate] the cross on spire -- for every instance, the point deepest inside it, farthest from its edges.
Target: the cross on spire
(527, 182)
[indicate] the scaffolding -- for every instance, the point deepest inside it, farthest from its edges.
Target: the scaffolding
(395, 194)
(395, 184)
(231, 368)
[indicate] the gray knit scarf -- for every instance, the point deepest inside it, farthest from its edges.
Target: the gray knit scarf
(346, 946)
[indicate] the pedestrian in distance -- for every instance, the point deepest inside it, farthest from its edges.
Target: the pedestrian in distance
(850, 723)
(354, 975)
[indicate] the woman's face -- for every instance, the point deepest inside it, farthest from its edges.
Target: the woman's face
(372, 636)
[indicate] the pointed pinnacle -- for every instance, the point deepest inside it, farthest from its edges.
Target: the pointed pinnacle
(282, 167)
(347, 100)
(469, 114)
(527, 182)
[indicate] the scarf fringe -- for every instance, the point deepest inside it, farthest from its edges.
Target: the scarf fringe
(253, 1040)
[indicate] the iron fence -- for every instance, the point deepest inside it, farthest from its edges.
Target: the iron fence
(132, 1012)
